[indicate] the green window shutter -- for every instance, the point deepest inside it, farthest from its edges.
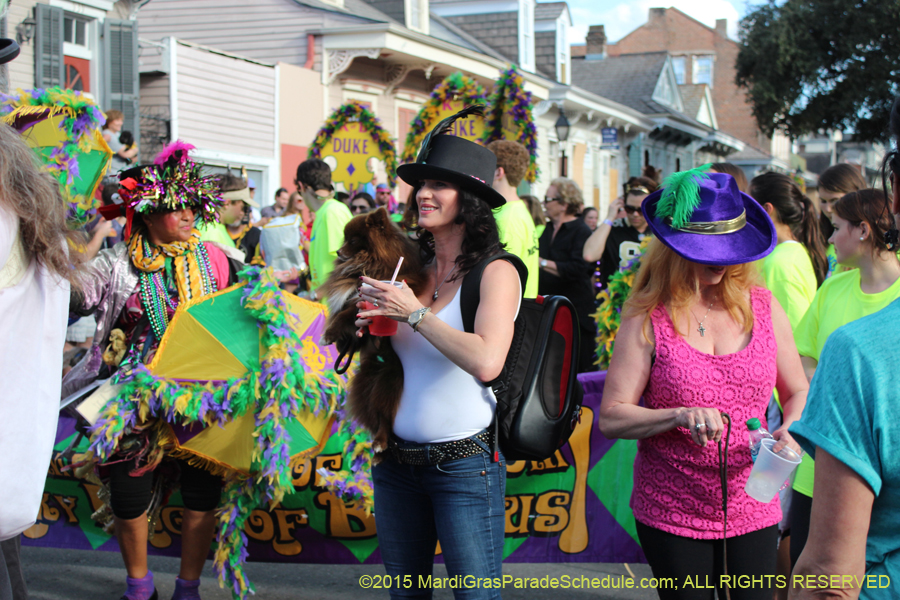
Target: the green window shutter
(48, 46)
(121, 80)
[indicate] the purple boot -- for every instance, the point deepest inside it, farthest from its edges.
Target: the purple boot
(140, 589)
(186, 590)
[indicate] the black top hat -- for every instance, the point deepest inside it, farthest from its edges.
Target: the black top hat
(455, 160)
(9, 49)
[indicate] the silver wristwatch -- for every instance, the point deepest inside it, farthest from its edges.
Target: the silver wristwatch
(415, 318)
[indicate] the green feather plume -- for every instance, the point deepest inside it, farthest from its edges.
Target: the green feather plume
(681, 195)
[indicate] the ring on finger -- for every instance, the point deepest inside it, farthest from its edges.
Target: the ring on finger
(375, 303)
(699, 426)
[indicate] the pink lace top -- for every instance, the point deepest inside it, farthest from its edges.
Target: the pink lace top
(676, 482)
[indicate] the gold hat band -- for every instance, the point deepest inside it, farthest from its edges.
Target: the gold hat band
(714, 227)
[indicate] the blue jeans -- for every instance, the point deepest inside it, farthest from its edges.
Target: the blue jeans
(459, 502)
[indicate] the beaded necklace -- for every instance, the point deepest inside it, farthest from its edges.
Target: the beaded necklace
(155, 296)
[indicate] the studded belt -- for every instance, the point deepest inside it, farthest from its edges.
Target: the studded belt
(432, 454)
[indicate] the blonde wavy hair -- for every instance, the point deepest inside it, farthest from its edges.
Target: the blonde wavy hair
(33, 196)
(668, 279)
(569, 194)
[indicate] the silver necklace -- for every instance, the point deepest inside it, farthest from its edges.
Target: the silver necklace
(438, 288)
(702, 329)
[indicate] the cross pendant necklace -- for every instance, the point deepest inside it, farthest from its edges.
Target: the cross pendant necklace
(438, 288)
(701, 328)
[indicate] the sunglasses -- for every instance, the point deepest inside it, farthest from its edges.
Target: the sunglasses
(549, 200)
(357, 208)
(631, 210)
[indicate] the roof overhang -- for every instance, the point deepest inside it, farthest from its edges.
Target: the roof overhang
(671, 130)
(576, 100)
(403, 46)
(722, 144)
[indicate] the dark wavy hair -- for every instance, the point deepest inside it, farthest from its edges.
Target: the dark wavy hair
(481, 239)
(796, 211)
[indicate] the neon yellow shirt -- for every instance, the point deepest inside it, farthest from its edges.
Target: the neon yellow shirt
(326, 239)
(517, 233)
(839, 301)
(789, 275)
(215, 232)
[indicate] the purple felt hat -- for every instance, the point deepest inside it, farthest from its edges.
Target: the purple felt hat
(723, 227)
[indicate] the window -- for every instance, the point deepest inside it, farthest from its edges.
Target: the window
(703, 70)
(678, 66)
(75, 31)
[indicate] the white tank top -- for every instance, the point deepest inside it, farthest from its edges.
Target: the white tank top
(440, 401)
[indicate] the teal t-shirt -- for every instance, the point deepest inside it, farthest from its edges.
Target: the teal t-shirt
(789, 275)
(516, 229)
(326, 239)
(851, 414)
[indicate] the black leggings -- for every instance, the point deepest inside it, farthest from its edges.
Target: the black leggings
(676, 558)
(801, 507)
(130, 496)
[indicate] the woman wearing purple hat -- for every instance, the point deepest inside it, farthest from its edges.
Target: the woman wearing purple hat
(704, 345)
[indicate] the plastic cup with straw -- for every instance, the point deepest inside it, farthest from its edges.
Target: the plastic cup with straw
(383, 326)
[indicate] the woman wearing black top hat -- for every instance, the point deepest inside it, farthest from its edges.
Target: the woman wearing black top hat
(440, 478)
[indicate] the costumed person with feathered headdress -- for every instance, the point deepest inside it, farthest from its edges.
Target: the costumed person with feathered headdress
(134, 289)
(441, 476)
(701, 339)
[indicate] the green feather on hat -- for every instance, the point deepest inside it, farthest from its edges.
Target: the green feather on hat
(681, 195)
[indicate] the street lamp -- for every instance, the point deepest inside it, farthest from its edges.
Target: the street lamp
(562, 134)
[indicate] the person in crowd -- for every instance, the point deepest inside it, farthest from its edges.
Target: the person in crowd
(313, 183)
(384, 197)
(590, 216)
(735, 171)
(861, 221)
(361, 203)
(617, 240)
(343, 198)
(850, 427)
(699, 340)
(235, 215)
(535, 207)
(134, 288)
(797, 266)
(513, 218)
(277, 209)
(792, 272)
(36, 273)
(456, 493)
(834, 182)
(123, 155)
(564, 271)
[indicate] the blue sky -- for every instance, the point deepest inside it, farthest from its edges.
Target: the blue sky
(623, 16)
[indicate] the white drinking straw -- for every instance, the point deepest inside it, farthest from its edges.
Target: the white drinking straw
(396, 271)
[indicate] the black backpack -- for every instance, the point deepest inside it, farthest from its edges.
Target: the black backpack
(538, 396)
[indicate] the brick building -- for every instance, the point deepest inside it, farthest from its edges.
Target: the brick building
(705, 55)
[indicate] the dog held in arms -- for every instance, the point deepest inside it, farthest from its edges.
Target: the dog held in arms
(372, 246)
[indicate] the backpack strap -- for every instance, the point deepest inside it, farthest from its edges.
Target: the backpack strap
(470, 289)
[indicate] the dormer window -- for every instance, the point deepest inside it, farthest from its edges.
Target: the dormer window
(417, 15)
(678, 67)
(526, 35)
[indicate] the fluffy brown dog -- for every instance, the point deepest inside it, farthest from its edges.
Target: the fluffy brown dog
(372, 246)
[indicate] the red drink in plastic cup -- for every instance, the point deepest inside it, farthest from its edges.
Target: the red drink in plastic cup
(381, 326)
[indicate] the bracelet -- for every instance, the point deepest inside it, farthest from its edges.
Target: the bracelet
(607, 222)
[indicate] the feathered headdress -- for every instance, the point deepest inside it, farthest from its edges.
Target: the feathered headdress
(172, 182)
(681, 195)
